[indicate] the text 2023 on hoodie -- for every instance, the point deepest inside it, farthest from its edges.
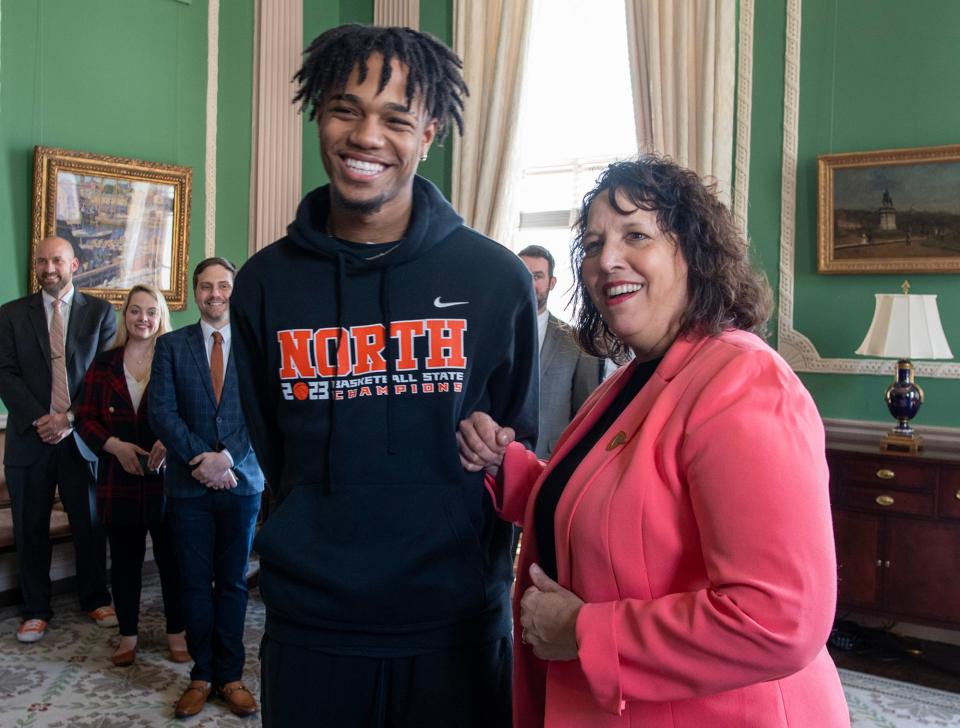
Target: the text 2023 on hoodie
(356, 365)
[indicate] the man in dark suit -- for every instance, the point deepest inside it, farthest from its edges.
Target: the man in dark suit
(47, 342)
(213, 485)
(567, 374)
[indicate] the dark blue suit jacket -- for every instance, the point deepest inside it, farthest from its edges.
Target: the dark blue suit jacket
(186, 418)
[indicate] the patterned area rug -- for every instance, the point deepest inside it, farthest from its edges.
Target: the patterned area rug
(67, 680)
(876, 702)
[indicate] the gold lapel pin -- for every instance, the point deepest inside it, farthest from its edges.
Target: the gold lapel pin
(618, 439)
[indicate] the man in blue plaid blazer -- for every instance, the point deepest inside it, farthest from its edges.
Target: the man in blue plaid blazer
(213, 484)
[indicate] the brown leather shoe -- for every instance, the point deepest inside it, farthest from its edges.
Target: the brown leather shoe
(193, 698)
(126, 658)
(240, 700)
(177, 648)
(179, 656)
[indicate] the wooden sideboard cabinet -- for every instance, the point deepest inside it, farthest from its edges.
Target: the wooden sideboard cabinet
(896, 520)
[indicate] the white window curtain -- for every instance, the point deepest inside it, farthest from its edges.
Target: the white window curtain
(491, 38)
(683, 69)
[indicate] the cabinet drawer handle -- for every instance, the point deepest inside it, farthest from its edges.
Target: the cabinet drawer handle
(885, 474)
(884, 500)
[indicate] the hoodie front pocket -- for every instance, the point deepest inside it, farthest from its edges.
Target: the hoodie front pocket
(376, 556)
(459, 522)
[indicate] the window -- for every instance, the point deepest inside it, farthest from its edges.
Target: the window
(576, 117)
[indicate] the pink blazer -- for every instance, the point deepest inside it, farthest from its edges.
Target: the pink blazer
(698, 533)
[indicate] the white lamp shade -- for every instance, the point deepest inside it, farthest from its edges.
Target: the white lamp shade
(906, 326)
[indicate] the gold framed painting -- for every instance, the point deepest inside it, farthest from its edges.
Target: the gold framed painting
(127, 220)
(891, 211)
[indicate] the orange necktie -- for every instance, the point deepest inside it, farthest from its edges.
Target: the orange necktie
(216, 364)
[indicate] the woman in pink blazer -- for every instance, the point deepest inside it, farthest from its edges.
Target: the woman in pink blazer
(678, 562)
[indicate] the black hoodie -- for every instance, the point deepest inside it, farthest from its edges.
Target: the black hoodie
(383, 543)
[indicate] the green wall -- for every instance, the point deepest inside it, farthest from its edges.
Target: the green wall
(127, 78)
(874, 74)
(436, 17)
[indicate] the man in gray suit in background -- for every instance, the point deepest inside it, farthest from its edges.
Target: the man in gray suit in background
(567, 374)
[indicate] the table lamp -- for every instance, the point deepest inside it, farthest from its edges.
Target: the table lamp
(905, 327)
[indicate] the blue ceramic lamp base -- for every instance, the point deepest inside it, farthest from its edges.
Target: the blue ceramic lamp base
(904, 398)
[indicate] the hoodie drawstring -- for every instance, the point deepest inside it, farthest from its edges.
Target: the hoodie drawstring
(387, 350)
(341, 284)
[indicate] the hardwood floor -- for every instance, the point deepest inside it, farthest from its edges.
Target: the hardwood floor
(878, 652)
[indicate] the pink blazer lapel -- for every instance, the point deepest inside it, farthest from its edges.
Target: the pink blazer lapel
(612, 444)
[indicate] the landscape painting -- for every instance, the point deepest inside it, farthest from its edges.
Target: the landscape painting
(895, 211)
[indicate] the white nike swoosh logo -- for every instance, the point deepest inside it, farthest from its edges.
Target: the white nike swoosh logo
(441, 304)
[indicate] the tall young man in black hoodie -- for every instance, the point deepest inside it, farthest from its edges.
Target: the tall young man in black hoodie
(363, 337)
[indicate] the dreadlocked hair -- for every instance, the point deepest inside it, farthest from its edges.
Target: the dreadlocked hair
(433, 70)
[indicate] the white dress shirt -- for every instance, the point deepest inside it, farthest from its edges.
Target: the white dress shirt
(542, 319)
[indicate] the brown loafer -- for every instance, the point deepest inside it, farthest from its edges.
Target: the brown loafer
(180, 656)
(126, 658)
(193, 698)
(240, 700)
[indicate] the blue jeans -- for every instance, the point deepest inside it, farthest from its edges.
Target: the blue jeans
(213, 534)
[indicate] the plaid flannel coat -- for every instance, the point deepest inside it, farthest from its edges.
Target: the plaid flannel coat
(106, 410)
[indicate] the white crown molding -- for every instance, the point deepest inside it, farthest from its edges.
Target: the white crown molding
(799, 351)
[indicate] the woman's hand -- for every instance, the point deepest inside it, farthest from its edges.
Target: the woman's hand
(548, 617)
(126, 453)
(158, 453)
(482, 442)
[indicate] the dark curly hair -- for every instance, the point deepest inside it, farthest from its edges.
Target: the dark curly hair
(724, 289)
(433, 69)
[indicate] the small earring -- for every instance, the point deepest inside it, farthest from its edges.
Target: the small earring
(424, 157)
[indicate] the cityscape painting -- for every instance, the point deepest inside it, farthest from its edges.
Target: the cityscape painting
(895, 211)
(126, 219)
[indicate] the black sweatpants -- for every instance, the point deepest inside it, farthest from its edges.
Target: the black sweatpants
(468, 687)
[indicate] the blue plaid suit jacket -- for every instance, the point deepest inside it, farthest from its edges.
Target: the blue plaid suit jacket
(186, 418)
